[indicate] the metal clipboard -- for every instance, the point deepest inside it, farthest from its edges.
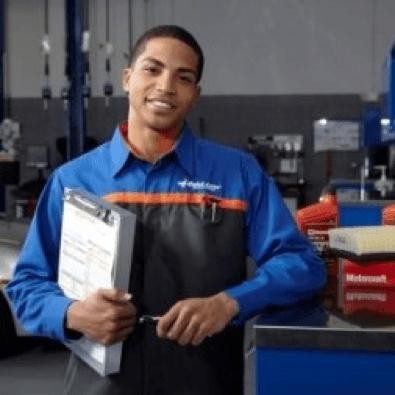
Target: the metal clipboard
(96, 249)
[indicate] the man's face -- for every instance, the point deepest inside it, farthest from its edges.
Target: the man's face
(161, 84)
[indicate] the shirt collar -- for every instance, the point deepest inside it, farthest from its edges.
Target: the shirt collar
(118, 148)
(183, 150)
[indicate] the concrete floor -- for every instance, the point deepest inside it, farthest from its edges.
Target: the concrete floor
(40, 371)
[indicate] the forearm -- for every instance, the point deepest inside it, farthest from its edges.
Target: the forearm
(284, 279)
(39, 306)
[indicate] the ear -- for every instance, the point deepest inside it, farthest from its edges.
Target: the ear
(195, 97)
(125, 79)
(198, 92)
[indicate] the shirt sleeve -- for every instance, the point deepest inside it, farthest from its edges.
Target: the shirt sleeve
(288, 268)
(39, 303)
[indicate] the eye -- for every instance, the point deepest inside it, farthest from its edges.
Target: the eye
(151, 69)
(187, 78)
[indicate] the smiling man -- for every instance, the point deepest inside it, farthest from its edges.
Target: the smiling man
(202, 208)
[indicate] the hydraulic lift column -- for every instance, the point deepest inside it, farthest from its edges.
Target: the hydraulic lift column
(2, 55)
(76, 113)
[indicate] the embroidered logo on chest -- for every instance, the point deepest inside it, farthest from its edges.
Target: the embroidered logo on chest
(198, 185)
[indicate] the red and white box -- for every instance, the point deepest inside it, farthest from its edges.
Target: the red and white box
(368, 300)
(369, 274)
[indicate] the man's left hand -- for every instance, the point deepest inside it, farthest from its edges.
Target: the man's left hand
(190, 321)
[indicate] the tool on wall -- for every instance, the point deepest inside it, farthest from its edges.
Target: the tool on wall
(86, 89)
(65, 90)
(282, 157)
(46, 92)
(128, 53)
(108, 88)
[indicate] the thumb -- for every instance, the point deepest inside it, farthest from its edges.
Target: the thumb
(115, 295)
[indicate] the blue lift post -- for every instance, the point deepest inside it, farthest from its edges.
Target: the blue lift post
(379, 123)
(76, 113)
(2, 52)
(391, 91)
(2, 94)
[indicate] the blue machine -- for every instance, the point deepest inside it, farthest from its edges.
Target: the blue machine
(367, 213)
(378, 137)
(378, 123)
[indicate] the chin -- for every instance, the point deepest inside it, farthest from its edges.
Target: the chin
(165, 126)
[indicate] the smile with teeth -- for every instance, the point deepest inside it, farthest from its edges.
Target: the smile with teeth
(161, 104)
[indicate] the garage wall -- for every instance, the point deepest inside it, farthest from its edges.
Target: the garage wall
(252, 47)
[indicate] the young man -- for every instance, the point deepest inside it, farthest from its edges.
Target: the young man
(201, 209)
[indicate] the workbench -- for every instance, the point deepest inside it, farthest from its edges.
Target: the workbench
(343, 344)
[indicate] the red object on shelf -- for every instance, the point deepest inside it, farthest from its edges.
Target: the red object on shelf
(368, 300)
(324, 212)
(371, 274)
(388, 215)
(315, 221)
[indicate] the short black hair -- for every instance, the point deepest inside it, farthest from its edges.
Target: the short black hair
(172, 31)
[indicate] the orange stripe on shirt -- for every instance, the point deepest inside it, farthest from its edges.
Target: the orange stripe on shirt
(175, 198)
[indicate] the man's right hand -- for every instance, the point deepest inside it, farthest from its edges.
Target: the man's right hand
(106, 316)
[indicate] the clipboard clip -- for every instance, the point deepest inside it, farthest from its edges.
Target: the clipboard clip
(91, 207)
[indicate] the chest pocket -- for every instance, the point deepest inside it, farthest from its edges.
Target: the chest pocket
(210, 210)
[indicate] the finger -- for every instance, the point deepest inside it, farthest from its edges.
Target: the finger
(114, 328)
(111, 338)
(199, 336)
(114, 295)
(166, 321)
(124, 324)
(124, 310)
(189, 333)
(114, 311)
(178, 327)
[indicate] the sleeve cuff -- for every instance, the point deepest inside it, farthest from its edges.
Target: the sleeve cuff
(70, 334)
(58, 308)
(242, 315)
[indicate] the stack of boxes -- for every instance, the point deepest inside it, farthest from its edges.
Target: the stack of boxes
(359, 280)
(367, 287)
(366, 268)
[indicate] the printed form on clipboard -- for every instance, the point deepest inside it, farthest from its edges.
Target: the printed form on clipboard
(95, 252)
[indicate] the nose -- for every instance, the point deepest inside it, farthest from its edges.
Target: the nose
(166, 83)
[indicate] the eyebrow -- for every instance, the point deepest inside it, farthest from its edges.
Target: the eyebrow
(161, 64)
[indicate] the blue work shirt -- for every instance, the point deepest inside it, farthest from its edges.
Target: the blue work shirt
(196, 173)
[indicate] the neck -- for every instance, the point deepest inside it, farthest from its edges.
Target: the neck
(149, 144)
